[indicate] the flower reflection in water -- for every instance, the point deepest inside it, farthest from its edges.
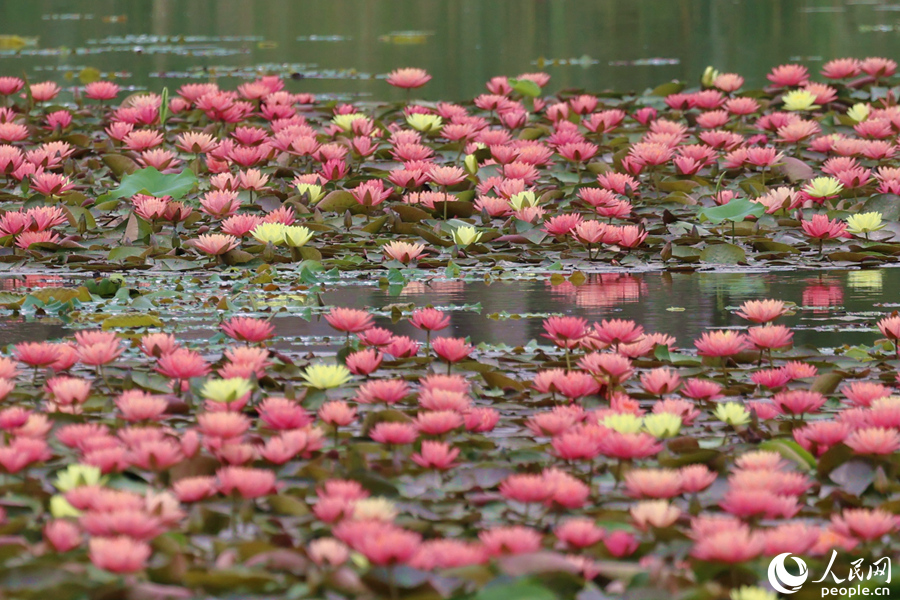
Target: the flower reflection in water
(603, 290)
(823, 294)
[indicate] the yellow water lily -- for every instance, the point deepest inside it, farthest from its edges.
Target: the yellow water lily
(226, 390)
(799, 100)
(864, 222)
(324, 376)
(662, 425)
(345, 122)
(313, 192)
(374, 509)
(523, 200)
(60, 508)
(471, 164)
(424, 123)
(465, 235)
(708, 79)
(623, 422)
(296, 235)
(823, 187)
(858, 112)
(732, 413)
(747, 592)
(78, 475)
(269, 233)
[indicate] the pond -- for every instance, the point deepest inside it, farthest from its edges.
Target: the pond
(833, 307)
(340, 47)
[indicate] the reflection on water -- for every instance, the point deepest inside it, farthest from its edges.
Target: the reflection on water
(341, 46)
(833, 307)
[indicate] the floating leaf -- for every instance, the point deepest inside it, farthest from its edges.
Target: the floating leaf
(723, 254)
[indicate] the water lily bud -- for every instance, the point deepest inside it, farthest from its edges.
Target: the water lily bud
(312, 191)
(471, 164)
(709, 76)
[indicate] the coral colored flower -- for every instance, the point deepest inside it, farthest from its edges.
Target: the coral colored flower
(655, 513)
(62, 535)
(701, 389)
(403, 251)
(721, 343)
(451, 350)
(620, 543)
(118, 554)
(328, 551)
(248, 329)
(770, 336)
(394, 433)
(660, 381)
(350, 320)
(864, 523)
(429, 319)
(408, 78)
(337, 413)
(617, 331)
(247, 482)
(797, 402)
(515, 539)
(579, 533)
(874, 440)
(762, 311)
(565, 332)
(436, 455)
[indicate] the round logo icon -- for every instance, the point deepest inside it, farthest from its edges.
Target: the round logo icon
(781, 580)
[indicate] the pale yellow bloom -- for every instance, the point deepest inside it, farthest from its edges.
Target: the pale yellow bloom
(732, 413)
(708, 79)
(313, 192)
(858, 112)
(623, 422)
(747, 592)
(77, 475)
(374, 509)
(324, 376)
(60, 508)
(226, 390)
(662, 425)
(296, 235)
(864, 222)
(269, 233)
(523, 200)
(345, 122)
(799, 100)
(424, 123)
(463, 236)
(823, 187)
(656, 513)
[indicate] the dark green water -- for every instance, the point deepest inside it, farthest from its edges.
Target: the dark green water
(341, 46)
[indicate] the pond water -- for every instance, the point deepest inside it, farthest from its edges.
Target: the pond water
(341, 46)
(834, 308)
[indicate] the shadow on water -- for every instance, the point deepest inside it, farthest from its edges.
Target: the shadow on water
(833, 307)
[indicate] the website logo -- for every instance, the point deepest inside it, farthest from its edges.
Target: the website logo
(781, 580)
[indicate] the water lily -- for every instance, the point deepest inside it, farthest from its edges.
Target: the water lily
(623, 422)
(296, 235)
(424, 123)
(313, 192)
(226, 390)
(324, 376)
(345, 122)
(799, 100)
(78, 475)
(465, 235)
(732, 413)
(523, 200)
(662, 425)
(269, 233)
(859, 112)
(864, 223)
(823, 187)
